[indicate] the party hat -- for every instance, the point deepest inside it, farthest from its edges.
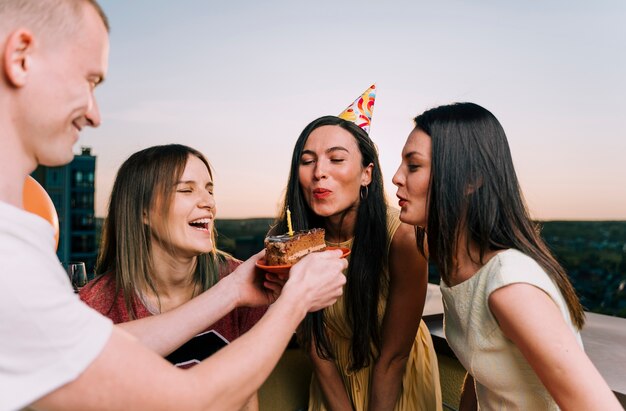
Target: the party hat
(360, 112)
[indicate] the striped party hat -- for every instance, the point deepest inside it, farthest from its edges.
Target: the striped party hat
(360, 112)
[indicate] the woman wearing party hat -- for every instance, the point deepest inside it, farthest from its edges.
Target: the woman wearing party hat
(370, 350)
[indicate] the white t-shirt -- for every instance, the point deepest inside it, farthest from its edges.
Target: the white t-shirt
(504, 379)
(48, 337)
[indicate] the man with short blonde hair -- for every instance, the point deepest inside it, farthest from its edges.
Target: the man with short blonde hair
(55, 352)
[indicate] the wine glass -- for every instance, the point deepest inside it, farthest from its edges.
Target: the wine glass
(78, 275)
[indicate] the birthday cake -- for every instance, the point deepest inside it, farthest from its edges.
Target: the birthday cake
(288, 249)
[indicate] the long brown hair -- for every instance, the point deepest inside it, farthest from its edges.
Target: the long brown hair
(146, 176)
(470, 149)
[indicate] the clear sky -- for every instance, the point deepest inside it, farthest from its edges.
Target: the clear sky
(239, 80)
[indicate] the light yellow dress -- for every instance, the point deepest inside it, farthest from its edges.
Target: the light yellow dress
(504, 378)
(420, 388)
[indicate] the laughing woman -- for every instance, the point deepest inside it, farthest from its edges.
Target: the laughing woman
(158, 253)
(511, 314)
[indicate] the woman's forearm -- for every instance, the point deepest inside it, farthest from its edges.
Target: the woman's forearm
(330, 383)
(386, 383)
(408, 274)
(468, 400)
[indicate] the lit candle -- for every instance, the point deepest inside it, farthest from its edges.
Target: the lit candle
(289, 221)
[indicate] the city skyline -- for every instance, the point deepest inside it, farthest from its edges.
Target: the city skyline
(239, 82)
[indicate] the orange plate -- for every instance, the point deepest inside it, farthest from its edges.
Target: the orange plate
(284, 269)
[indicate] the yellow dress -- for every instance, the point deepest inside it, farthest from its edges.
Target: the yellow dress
(420, 388)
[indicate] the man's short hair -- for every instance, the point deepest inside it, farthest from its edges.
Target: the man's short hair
(49, 18)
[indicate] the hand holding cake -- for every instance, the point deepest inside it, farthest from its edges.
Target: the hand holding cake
(317, 280)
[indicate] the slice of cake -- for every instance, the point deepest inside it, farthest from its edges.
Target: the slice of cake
(285, 249)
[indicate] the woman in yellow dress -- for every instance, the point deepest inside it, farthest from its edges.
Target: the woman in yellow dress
(370, 350)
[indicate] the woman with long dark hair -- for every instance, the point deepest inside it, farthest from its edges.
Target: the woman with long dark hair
(511, 315)
(370, 350)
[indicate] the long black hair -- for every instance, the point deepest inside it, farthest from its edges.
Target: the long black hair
(474, 192)
(369, 249)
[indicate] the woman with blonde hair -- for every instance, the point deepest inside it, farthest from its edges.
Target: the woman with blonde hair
(158, 252)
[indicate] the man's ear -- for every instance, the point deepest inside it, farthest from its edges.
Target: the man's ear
(16, 56)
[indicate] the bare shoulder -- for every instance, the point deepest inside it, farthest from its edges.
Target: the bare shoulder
(405, 261)
(404, 238)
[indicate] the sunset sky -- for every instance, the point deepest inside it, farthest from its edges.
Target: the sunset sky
(239, 80)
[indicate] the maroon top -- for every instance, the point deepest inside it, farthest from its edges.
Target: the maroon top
(100, 295)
